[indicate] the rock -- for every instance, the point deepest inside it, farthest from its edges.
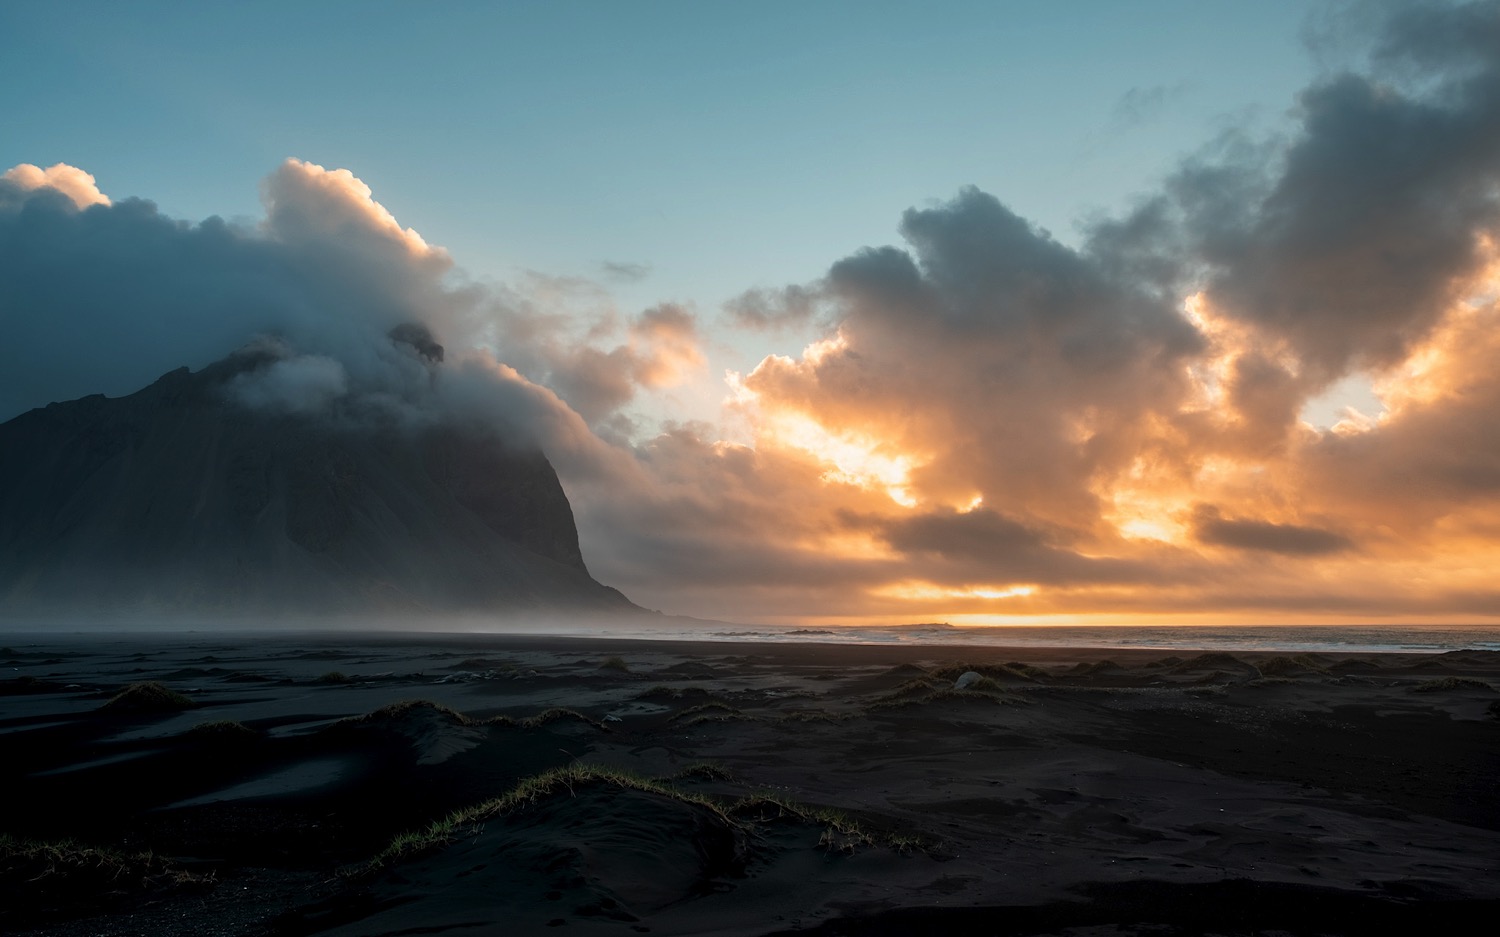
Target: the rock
(967, 679)
(177, 499)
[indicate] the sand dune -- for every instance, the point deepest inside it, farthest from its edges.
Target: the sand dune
(506, 785)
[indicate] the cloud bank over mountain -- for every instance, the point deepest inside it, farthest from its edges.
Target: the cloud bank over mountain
(992, 422)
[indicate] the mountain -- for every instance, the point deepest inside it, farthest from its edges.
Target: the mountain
(175, 499)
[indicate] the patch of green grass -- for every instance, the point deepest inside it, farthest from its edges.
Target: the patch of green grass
(992, 693)
(704, 771)
(1207, 689)
(148, 697)
(951, 672)
(917, 687)
(1216, 660)
(981, 691)
(704, 712)
(663, 692)
(1451, 683)
(556, 714)
(527, 793)
(1269, 681)
(483, 663)
(614, 663)
(1083, 669)
(28, 684)
(1283, 665)
(841, 832)
(809, 715)
(223, 730)
(34, 871)
(401, 708)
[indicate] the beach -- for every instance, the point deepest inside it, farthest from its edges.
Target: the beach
(735, 787)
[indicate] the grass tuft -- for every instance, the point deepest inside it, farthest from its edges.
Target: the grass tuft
(401, 708)
(841, 832)
(664, 692)
(484, 663)
(614, 663)
(223, 730)
(149, 697)
(1269, 681)
(65, 870)
(704, 771)
(556, 714)
(951, 672)
(809, 715)
(1451, 683)
(1283, 665)
(527, 793)
(1084, 669)
(706, 712)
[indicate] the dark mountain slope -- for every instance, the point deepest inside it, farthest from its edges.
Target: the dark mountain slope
(176, 499)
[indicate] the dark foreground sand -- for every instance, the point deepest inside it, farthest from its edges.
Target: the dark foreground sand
(772, 789)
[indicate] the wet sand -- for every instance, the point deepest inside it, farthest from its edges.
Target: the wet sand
(734, 788)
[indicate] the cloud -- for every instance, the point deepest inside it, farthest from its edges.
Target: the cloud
(985, 422)
(625, 271)
(307, 205)
(106, 298)
(771, 310)
(299, 384)
(1140, 105)
(665, 347)
(1290, 539)
(71, 181)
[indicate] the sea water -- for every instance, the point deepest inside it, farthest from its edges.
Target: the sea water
(1286, 638)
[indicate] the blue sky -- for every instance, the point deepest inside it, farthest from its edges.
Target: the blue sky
(724, 145)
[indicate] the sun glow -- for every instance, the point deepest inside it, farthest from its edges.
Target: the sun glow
(918, 591)
(852, 459)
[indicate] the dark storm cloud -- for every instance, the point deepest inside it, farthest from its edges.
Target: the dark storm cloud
(767, 310)
(1290, 539)
(624, 271)
(970, 534)
(1350, 242)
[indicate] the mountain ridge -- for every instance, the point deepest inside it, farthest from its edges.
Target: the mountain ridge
(177, 499)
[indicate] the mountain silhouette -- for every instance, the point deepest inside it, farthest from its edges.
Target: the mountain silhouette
(178, 499)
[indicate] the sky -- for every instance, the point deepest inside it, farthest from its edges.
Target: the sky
(968, 312)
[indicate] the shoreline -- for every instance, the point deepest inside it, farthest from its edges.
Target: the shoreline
(1165, 639)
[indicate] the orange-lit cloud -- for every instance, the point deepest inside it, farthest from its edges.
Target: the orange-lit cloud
(69, 180)
(989, 424)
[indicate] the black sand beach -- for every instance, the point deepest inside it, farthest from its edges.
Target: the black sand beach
(597, 786)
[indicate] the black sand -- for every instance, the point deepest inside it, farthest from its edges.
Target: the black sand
(828, 789)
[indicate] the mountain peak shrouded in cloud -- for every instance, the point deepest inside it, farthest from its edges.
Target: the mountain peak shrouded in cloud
(242, 490)
(985, 421)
